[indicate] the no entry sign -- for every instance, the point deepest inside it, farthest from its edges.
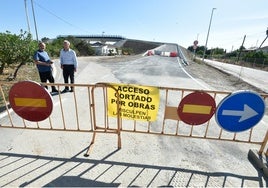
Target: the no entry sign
(30, 101)
(196, 108)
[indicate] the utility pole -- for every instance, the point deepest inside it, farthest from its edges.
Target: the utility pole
(265, 38)
(241, 48)
(27, 17)
(34, 22)
(208, 34)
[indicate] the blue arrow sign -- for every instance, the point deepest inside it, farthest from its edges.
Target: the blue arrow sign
(240, 111)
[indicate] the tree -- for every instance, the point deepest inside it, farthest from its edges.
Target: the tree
(45, 39)
(15, 50)
(218, 51)
(84, 49)
(53, 48)
(6, 49)
(81, 47)
(26, 47)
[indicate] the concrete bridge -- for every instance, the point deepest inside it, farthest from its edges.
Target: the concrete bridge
(101, 38)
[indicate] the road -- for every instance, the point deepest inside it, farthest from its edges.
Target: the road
(43, 158)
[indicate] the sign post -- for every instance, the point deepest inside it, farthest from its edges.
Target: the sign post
(30, 101)
(195, 47)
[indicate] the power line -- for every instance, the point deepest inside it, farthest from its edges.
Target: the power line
(61, 19)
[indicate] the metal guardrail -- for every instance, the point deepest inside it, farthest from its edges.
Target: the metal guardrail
(88, 106)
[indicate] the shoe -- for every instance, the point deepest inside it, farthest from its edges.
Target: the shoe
(65, 90)
(55, 91)
(71, 90)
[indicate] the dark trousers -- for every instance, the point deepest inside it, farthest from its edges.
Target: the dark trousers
(47, 76)
(68, 72)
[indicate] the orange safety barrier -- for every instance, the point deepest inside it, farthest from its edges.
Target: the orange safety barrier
(90, 113)
(173, 54)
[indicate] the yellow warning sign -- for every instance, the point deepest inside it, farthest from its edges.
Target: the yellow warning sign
(136, 102)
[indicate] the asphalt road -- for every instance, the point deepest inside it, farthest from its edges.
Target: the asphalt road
(47, 158)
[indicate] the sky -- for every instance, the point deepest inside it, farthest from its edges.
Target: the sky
(174, 21)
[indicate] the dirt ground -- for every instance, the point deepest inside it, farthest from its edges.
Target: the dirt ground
(222, 81)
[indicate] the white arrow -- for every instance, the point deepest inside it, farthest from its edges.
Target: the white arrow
(245, 114)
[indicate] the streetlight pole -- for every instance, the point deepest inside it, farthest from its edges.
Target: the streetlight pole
(208, 33)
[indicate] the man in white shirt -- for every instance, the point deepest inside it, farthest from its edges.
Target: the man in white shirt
(68, 61)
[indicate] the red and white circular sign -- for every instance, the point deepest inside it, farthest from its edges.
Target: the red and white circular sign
(196, 108)
(30, 101)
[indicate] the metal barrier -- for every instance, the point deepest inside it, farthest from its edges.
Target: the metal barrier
(88, 105)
